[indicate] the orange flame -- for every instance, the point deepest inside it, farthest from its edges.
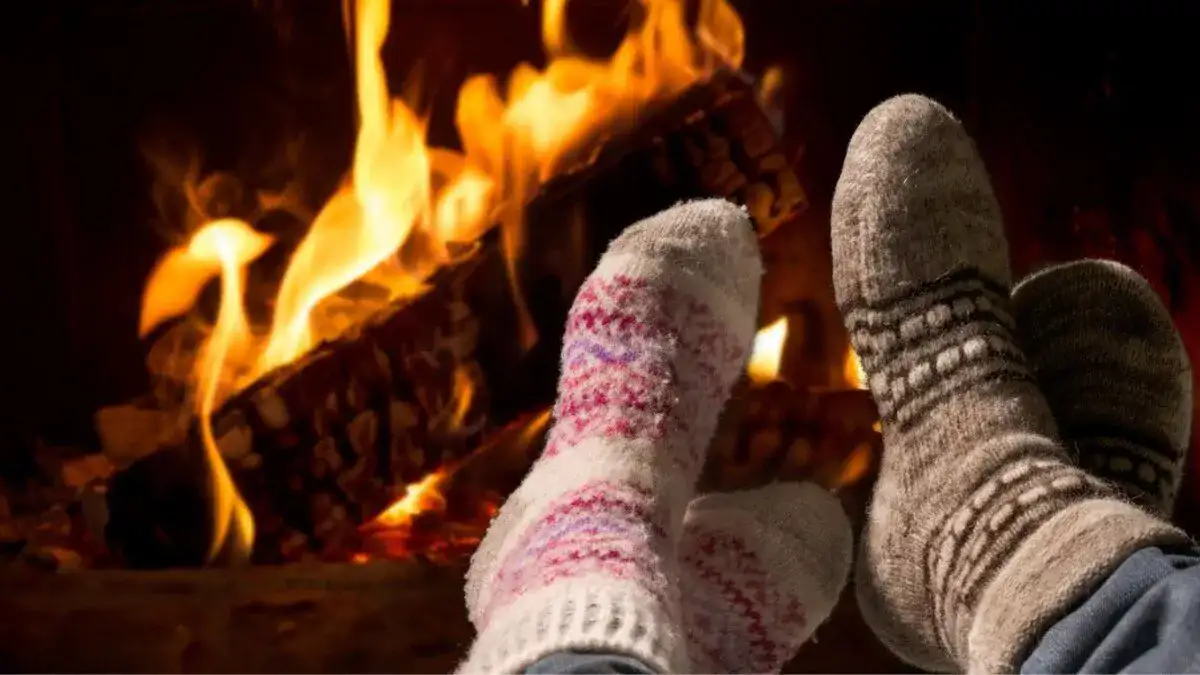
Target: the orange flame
(398, 186)
(395, 532)
(423, 495)
(221, 247)
(766, 356)
(852, 370)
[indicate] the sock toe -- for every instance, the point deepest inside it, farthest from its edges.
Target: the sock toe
(912, 205)
(710, 238)
(802, 531)
(765, 568)
(1114, 370)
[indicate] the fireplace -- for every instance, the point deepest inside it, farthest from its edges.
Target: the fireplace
(361, 461)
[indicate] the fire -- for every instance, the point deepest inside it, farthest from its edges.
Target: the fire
(512, 142)
(220, 247)
(421, 496)
(856, 465)
(767, 353)
(853, 371)
(419, 519)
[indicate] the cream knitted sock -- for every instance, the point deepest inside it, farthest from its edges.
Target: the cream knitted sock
(981, 532)
(761, 570)
(583, 555)
(1114, 370)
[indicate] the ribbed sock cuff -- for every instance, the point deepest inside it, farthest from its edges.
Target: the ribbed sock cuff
(1053, 571)
(597, 614)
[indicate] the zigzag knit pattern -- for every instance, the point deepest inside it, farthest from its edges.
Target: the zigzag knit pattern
(618, 381)
(729, 624)
(651, 350)
(762, 568)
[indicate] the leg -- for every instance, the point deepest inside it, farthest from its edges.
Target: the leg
(1144, 619)
(982, 532)
(582, 556)
(588, 663)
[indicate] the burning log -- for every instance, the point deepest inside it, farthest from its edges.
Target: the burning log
(320, 445)
(777, 431)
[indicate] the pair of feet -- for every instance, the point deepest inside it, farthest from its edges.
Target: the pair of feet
(983, 528)
(604, 546)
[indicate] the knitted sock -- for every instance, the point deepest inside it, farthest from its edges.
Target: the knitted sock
(583, 555)
(981, 532)
(1115, 373)
(761, 570)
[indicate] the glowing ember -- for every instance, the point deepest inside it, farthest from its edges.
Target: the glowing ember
(399, 186)
(767, 353)
(418, 521)
(424, 495)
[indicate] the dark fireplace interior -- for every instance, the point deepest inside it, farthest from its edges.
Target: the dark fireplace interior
(1084, 113)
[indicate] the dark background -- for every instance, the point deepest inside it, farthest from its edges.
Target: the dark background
(1087, 114)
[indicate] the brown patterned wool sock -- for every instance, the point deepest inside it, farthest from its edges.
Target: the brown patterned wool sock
(1114, 370)
(981, 532)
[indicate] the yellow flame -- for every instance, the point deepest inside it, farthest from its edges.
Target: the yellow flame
(536, 426)
(418, 497)
(855, 465)
(513, 140)
(221, 247)
(767, 354)
(769, 86)
(852, 370)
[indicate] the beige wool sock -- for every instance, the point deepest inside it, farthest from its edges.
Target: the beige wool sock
(583, 555)
(982, 532)
(1115, 373)
(760, 570)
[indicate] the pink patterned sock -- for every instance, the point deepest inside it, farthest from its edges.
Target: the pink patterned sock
(762, 569)
(583, 554)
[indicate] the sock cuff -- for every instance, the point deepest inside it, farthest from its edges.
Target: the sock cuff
(598, 614)
(1053, 570)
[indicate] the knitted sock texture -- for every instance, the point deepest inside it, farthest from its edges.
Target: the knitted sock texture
(973, 540)
(583, 554)
(1115, 373)
(761, 570)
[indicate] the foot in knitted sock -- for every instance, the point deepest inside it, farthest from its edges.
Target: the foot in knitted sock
(981, 531)
(761, 570)
(1114, 370)
(583, 555)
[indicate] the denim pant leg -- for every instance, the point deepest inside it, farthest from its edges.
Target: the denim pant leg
(588, 663)
(1144, 619)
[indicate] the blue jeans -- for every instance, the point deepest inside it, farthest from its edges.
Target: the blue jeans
(1144, 619)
